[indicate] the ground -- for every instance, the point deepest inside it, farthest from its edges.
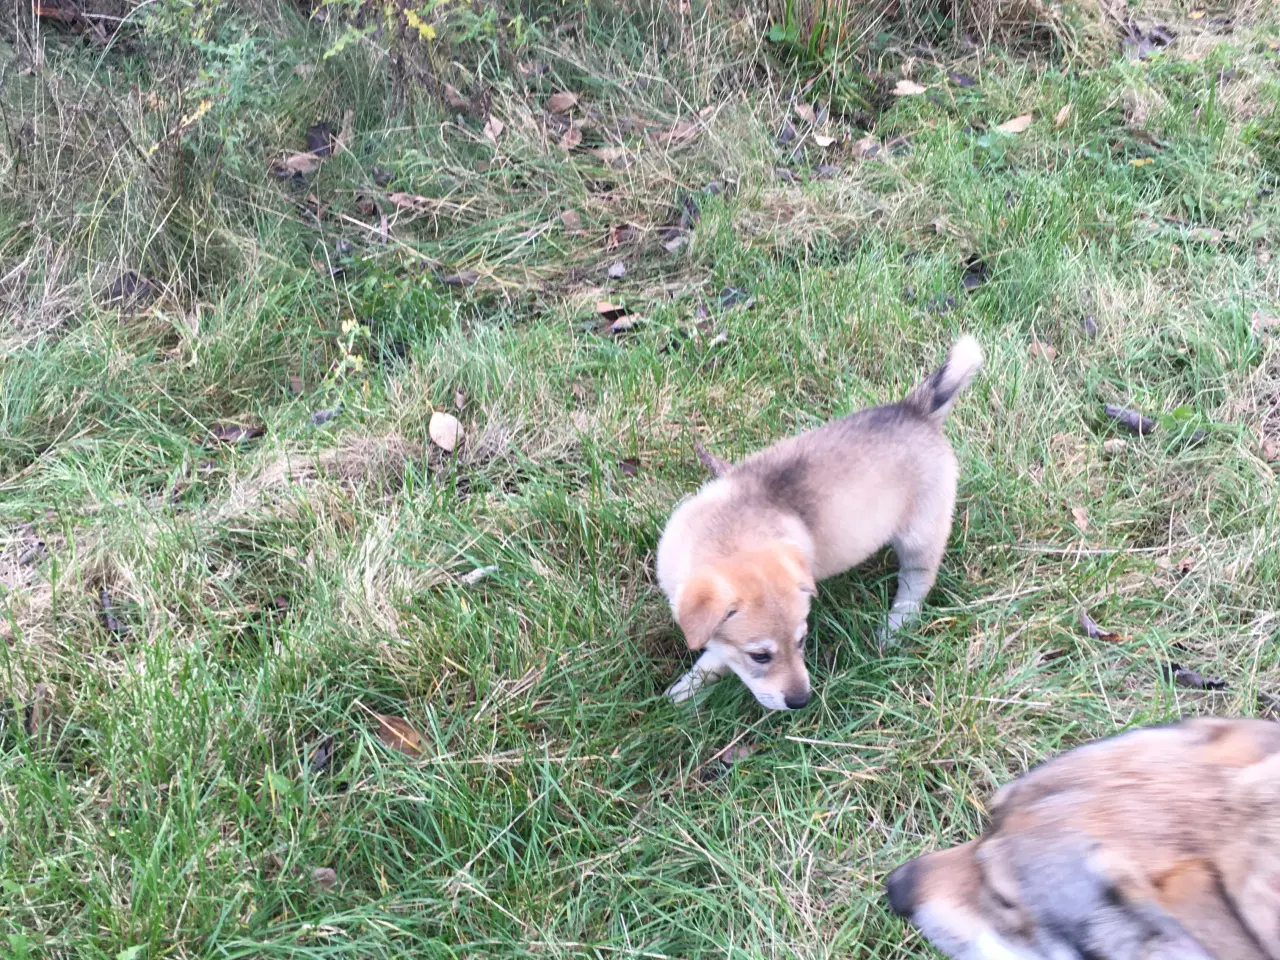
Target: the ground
(285, 678)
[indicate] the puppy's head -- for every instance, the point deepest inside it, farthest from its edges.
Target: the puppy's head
(1050, 897)
(752, 609)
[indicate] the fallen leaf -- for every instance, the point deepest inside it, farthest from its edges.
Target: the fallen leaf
(321, 755)
(1081, 518)
(445, 430)
(408, 201)
(459, 399)
(109, 619)
(908, 88)
(826, 171)
(1114, 446)
(735, 752)
(1183, 566)
(962, 80)
(680, 132)
(324, 877)
(476, 575)
(1090, 326)
(384, 228)
(572, 138)
(1095, 632)
(629, 467)
(786, 175)
(1261, 322)
(1141, 161)
(38, 709)
(1041, 349)
(609, 311)
(1062, 116)
(463, 278)
(320, 139)
(295, 384)
(562, 102)
(786, 134)
(805, 112)
(1186, 677)
(235, 433)
(1195, 14)
(299, 163)
(614, 156)
(320, 417)
(623, 324)
(571, 220)
(822, 140)
(619, 235)
(1016, 125)
(675, 241)
(455, 99)
(617, 270)
(396, 733)
(1270, 450)
(1207, 235)
(493, 128)
(1130, 419)
(866, 148)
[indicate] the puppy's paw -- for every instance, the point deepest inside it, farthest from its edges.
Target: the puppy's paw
(685, 688)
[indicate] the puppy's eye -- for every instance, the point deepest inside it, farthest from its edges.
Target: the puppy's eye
(761, 657)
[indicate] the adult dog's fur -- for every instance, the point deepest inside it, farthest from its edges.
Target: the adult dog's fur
(1161, 844)
(738, 561)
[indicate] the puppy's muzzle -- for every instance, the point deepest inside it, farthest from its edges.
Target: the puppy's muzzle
(901, 888)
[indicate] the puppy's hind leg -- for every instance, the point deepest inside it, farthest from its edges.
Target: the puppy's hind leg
(710, 667)
(919, 551)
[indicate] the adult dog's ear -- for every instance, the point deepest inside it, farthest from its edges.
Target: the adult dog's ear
(705, 602)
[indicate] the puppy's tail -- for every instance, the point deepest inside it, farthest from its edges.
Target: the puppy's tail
(933, 398)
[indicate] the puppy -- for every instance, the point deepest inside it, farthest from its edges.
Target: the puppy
(738, 561)
(1162, 844)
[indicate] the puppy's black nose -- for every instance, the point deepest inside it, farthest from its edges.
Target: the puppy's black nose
(795, 701)
(901, 887)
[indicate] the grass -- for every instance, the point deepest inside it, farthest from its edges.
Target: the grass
(159, 784)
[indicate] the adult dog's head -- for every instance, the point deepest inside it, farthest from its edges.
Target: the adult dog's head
(1158, 845)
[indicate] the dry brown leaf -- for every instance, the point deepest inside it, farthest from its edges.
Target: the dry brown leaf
(408, 201)
(1114, 446)
(459, 398)
(493, 128)
(300, 163)
(908, 88)
(562, 102)
(735, 752)
(396, 733)
(1016, 125)
(572, 137)
(614, 156)
(454, 99)
(235, 433)
(629, 467)
(1195, 14)
(1039, 348)
(1262, 323)
(572, 220)
(822, 140)
(1081, 517)
(38, 710)
(326, 878)
(682, 131)
(625, 323)
(348, 132)
(1270, 450)
(866, 147)
(1209, 235)
(609, 311)
(1060, 119)
(445, 430)
(295, 384)
(805, 112)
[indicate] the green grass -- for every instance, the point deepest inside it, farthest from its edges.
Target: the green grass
(273, 594)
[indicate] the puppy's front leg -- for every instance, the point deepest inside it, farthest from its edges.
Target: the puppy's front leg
(710, 667)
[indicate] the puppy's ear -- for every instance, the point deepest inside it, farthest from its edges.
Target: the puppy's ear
(705, 602)
(797, 564)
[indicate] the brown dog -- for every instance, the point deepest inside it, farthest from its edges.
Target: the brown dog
(738, 561)
(1162, 844)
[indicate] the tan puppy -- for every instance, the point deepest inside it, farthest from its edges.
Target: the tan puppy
(738, 560)
(1162, 844)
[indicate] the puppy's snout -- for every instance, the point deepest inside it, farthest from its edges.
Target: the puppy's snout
(901, 887)
(795, 701)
